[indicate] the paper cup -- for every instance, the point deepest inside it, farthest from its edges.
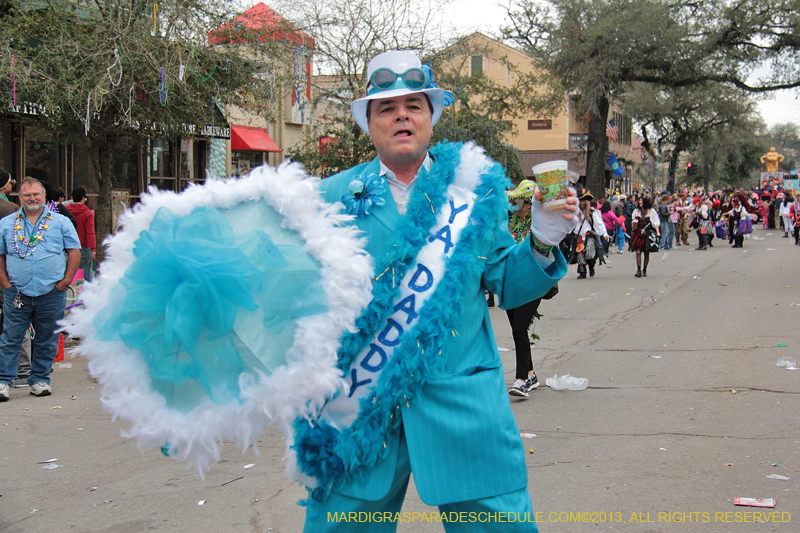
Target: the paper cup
(551, 177)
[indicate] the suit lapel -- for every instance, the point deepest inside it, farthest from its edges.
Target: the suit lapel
(387, 213)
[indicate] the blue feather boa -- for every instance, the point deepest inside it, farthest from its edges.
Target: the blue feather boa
(325, 453)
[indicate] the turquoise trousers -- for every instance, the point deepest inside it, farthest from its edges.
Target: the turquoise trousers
(506, 513)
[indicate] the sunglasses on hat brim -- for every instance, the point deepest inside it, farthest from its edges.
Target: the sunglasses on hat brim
(384, 79)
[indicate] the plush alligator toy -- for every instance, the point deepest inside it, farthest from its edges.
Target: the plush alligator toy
(524, 190)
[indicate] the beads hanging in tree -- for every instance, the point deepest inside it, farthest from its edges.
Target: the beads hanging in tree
(142, 91)
(108, 69)
(163, 91)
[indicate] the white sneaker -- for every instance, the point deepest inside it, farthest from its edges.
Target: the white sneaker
(518, 389)
(531, 383)
(5, 392)
(40, 388)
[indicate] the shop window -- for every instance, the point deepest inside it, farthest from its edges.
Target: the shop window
(41, 157)
(243, 162)
(159, 165)
(193, 156)
(476, 65)
(159, 159)
(83, 170)
(126, 172)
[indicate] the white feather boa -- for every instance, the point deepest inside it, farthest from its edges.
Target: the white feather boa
(298, 389)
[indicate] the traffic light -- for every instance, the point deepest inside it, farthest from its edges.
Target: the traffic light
(690, 168)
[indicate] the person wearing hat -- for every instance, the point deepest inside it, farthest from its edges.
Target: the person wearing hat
(6, 186)
(645, 223)
(703, 223)
(590, 229)
(737, 212)
(424, 377)
(682, 225)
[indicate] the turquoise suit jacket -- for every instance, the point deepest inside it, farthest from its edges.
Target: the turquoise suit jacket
(463, 440)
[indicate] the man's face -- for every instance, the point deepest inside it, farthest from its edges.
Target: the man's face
(525, 209)
(400, 128)
(32, 197)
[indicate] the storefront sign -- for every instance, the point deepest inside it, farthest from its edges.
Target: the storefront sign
(28, 108)
(540, 124)
(219, 132)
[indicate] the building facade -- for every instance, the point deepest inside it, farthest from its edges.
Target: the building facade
(237, 141)
(562, 135)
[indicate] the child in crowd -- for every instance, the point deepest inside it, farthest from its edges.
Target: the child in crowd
(763, 210)
(620, 235)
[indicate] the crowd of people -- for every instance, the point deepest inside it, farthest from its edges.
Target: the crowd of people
(650, 222)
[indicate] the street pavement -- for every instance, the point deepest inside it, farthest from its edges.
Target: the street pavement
(682, 381)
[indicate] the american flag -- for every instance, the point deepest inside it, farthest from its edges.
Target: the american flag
(611, 130)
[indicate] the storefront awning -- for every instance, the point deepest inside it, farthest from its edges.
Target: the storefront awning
(254, 139)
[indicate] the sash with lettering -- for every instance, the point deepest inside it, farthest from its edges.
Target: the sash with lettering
(402, 333)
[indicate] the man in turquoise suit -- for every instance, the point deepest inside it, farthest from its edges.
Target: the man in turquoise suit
(426, 392)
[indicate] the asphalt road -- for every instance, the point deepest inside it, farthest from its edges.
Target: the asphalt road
(682, 381)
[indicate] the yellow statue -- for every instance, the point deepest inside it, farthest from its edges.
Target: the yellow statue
(772, 159)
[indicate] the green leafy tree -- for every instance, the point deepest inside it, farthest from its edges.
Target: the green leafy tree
(109, 74)
(598, 48)
(680, 118)
(740, 167)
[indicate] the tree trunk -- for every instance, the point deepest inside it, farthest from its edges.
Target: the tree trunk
(673, 166)
(103, 163)
(596, 149)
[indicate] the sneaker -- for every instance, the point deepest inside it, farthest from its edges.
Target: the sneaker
(531, 383)
(40, 388)
(21, 383)
(518, 389)
(5, 392)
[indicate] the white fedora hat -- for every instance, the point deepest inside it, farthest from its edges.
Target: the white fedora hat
(401, 63)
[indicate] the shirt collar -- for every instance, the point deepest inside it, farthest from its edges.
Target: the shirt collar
(43, 213)
(390, 176)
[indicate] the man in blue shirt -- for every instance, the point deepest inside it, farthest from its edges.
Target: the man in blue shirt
(39, 255)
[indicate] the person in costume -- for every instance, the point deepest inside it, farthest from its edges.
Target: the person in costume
(763, 209)
(520, 317)
(620, 235)
(39, 255)
(736, 213)
(682, 224)
(423, 371)
(645, 219)
(590, 228)
(703, 222)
